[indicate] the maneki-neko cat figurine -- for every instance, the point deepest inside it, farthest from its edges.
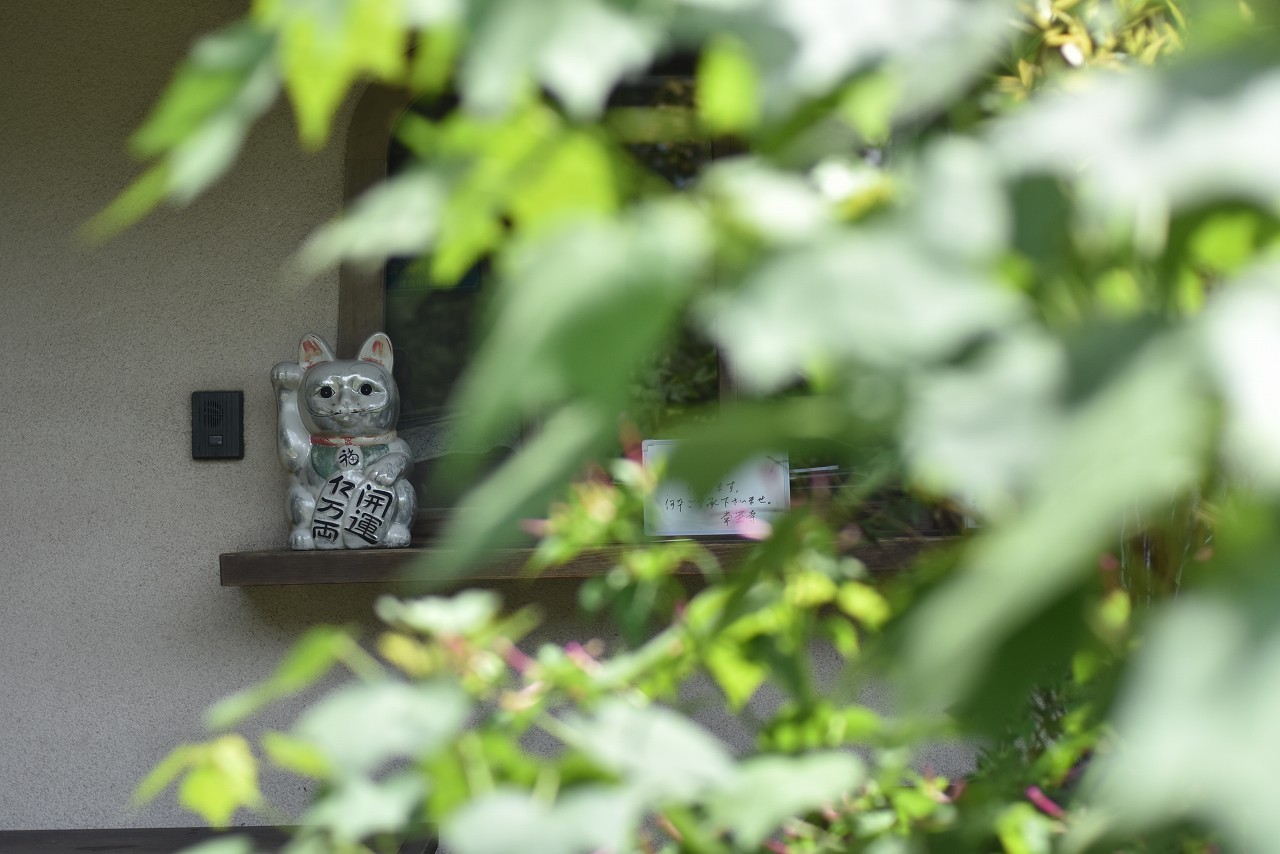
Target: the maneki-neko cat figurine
(337, 438)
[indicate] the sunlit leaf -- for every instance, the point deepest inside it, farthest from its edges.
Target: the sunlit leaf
(868, 105)
(728, 88)
(574, 178)
(932, 48)
(863, 603)
(325, 47)
(738, 676)
(222, 779)
(1227, 242)
(1024, 830)
(433, 61)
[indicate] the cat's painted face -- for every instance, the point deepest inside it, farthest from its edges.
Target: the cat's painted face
(348, 397)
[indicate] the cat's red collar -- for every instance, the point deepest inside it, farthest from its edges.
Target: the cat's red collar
(362, 441)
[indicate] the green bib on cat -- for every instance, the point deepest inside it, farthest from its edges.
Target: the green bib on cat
(328, 460)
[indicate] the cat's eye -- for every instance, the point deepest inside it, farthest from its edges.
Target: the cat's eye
(366, 389)
(325, 391)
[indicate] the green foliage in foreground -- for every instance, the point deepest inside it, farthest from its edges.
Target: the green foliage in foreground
(1054, 306)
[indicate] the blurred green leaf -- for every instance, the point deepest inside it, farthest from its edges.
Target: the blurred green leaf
(358, 808)
(221, 79)
(163, 774)
(297, 756)
(578, 49)
(813, 426)
(871, 297)
(585, 819)
(135, 202)
(776, 206)
(1227, 242)
(1240, 336)
(361, 727)
(326, 46)
(579, 310)
(728, 88)
(767, 790)
(1195, 734)
(223, 845)
(433, 61)
(738, 676)
(976, 431)
(662, 755)
(223, 778)
(399, 217)
(199, 124)
(961, 208)
(1145, 135)
(864, 603)
(868, 105)
(520, 489)
(460, 614)
(932, 49)
(203, 157)
(1139, 441)
(575, 178)
(311, 658)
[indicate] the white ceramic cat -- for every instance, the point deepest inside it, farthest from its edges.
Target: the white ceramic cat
(337, 438)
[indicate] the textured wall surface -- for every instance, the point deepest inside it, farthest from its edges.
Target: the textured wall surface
(114, 633)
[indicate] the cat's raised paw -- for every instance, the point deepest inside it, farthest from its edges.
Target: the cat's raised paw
(287, 375)
(397, 536)
(300, 540)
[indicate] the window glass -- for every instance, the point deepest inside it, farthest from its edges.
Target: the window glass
(435, 329)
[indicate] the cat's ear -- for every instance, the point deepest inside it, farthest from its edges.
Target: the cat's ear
(313, 350)
(377, 348)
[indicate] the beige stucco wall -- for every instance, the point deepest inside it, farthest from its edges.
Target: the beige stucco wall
(114, 633)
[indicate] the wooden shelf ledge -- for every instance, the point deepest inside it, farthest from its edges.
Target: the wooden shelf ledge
(388, 566)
